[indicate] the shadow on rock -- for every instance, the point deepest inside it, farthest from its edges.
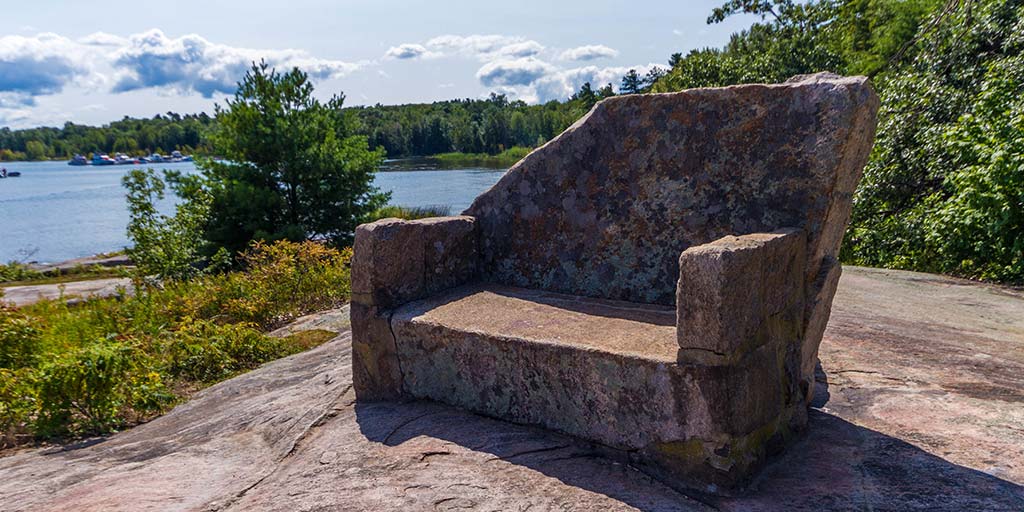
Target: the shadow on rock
(571, 461)
(837, 465)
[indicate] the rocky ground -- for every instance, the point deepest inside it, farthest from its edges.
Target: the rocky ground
(24, 295)
(920, 407)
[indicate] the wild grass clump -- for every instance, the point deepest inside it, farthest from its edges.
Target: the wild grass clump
(14, 271)
(409, 212)
(92, 368)
(506, 158)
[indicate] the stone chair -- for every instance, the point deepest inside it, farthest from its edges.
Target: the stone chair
(656, 279)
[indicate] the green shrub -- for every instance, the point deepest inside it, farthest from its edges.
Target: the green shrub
(281, 280)
(14, 271)
(19, 339)
(166, 246)
(106, 363)
(95, 389)
(207, 352)
(17, 405)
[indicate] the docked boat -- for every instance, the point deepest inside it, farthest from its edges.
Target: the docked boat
(102, 159)
(78, 160)
(123, 159)
(176, 156)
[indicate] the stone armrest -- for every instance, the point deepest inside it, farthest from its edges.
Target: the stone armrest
(739, 292)
(398, 261)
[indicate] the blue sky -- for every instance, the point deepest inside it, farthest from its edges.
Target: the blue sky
(99, 60)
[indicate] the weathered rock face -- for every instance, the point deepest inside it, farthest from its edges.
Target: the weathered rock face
(605, 209)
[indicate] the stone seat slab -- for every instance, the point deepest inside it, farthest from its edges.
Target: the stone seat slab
(598, 369)
(617, 327)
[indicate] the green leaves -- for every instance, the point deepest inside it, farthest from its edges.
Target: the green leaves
(166, 246)
(292, 168)
(944, 190)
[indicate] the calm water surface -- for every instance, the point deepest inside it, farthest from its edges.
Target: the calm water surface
(55, 212)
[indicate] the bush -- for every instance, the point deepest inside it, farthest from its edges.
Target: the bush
(107, 363)
(14, 271)
(162, 246)
(204, 351)
(19, 339)
(281, 280)
(943, 189)
(17, 405)
(95, 389)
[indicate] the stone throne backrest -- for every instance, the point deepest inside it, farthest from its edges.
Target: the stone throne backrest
(605, 209)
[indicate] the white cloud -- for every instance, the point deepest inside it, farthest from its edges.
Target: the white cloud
(191, 63)
(409, 51)
(589, 52)
(472, 45)
(513, 72)
(521, 49)
(485, 47)
(45, 64)
(38, 65)
(564, 83)
(103, 39)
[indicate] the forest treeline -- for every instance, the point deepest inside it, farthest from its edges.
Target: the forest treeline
(162, 133)
(477, 126)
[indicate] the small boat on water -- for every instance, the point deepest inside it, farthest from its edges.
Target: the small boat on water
(176, 156)
(102, 159)
(9, 174)
(123, 159)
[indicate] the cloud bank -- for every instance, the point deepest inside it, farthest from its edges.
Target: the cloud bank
(589, 52)
(36, 66)
(191, 63)
(408, 51)
(520, 67)
(45, 64)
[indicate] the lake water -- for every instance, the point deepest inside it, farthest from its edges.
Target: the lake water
(56, 212)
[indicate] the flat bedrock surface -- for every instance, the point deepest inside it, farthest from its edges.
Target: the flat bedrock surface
(923, 376)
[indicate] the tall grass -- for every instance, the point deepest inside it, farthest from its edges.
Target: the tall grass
(506, 158)
(409, 212)
(95, 367)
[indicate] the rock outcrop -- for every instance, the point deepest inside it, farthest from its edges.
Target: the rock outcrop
(892, 429)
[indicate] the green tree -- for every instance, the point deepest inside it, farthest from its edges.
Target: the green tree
(631, 83)
(943, 189)
(293, 168)
(166, 246)
(35, 150)
(586, 96)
